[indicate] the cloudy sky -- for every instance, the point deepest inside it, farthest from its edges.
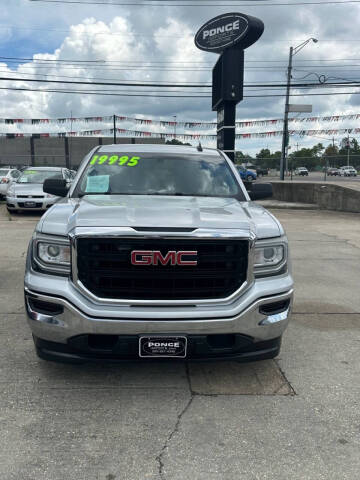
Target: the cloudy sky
(150, 43)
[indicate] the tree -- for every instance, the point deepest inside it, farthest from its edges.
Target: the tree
(352, 148)
(240, 157)
(174, 141)
(266, 159)
(307, 157)
(330, 155)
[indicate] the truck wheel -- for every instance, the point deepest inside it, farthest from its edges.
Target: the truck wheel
(249, 178)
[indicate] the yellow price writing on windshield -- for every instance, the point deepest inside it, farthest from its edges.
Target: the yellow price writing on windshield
(115, 160)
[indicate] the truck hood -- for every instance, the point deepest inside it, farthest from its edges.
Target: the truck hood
(159, 211)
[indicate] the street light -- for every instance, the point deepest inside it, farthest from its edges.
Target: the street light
(285, 137)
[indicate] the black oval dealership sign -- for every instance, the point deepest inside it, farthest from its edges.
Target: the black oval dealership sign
(227, 30)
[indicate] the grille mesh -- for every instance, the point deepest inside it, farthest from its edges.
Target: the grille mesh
(104, 268)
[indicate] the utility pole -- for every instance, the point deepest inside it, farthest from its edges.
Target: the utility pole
(285, 136)
(71, 125)
(348, 151)
(174, 116)
(114, 128)
(291, 167)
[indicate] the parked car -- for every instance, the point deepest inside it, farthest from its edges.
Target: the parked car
(246, 174)
(333, 172)
(302, 171)
(347, 171)
(27, 193)
(169, 258)
(258, 170)
(7, 177)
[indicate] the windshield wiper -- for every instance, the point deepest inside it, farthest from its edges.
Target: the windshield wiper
(168, 194)
(82, 194)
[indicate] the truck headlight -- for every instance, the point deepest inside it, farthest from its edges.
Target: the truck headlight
(268, 255)
(269, 258)
(52, 255)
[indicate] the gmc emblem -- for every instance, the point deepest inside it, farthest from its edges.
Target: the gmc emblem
(155, 257)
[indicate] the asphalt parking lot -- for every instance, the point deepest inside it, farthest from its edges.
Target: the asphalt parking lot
(296, 417)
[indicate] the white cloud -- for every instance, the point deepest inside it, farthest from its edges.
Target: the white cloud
(161, 35)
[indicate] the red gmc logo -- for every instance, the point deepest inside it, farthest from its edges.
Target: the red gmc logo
(155, 257)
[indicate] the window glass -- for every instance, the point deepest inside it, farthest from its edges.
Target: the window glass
(158, 174)
(38, 176)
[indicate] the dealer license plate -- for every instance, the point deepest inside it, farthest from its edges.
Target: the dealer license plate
(30, 204)
(162, 346)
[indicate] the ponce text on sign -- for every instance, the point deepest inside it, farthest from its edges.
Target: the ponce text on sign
(225, 28)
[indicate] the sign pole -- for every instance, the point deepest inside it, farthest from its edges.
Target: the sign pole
(226, 129)
(228, 34)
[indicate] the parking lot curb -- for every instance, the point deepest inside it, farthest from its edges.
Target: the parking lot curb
(288, 205)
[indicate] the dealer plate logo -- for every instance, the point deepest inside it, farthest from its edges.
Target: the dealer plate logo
(162, 347)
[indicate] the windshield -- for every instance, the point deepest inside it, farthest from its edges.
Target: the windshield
(3, 173)
(158, 174)
(38, 176)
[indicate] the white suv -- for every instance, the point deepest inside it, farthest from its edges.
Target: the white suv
(347, 171)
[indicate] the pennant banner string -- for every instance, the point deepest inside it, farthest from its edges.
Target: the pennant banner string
(164, 123)
(182, 136)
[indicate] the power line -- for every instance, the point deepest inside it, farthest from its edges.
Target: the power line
(145, 62)
(266, 86)
(175, 84)
(168, 61)
(121, 84)
(217, 4)
(98, 92)
(106, 93)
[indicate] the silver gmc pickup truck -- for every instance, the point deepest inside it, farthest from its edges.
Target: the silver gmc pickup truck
(154, 252)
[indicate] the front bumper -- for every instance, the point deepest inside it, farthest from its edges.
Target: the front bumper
(250, 315)
(42, 204)
(125, 348)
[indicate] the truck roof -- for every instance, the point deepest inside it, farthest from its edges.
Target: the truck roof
(148, 148)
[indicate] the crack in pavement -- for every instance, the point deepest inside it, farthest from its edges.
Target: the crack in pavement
(286, 381)
(194, 394)
(159, 458)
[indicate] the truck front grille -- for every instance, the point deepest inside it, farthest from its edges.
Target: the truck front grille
(105, 269)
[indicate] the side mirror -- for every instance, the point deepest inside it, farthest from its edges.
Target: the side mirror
(55, 186)
(259, 191)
